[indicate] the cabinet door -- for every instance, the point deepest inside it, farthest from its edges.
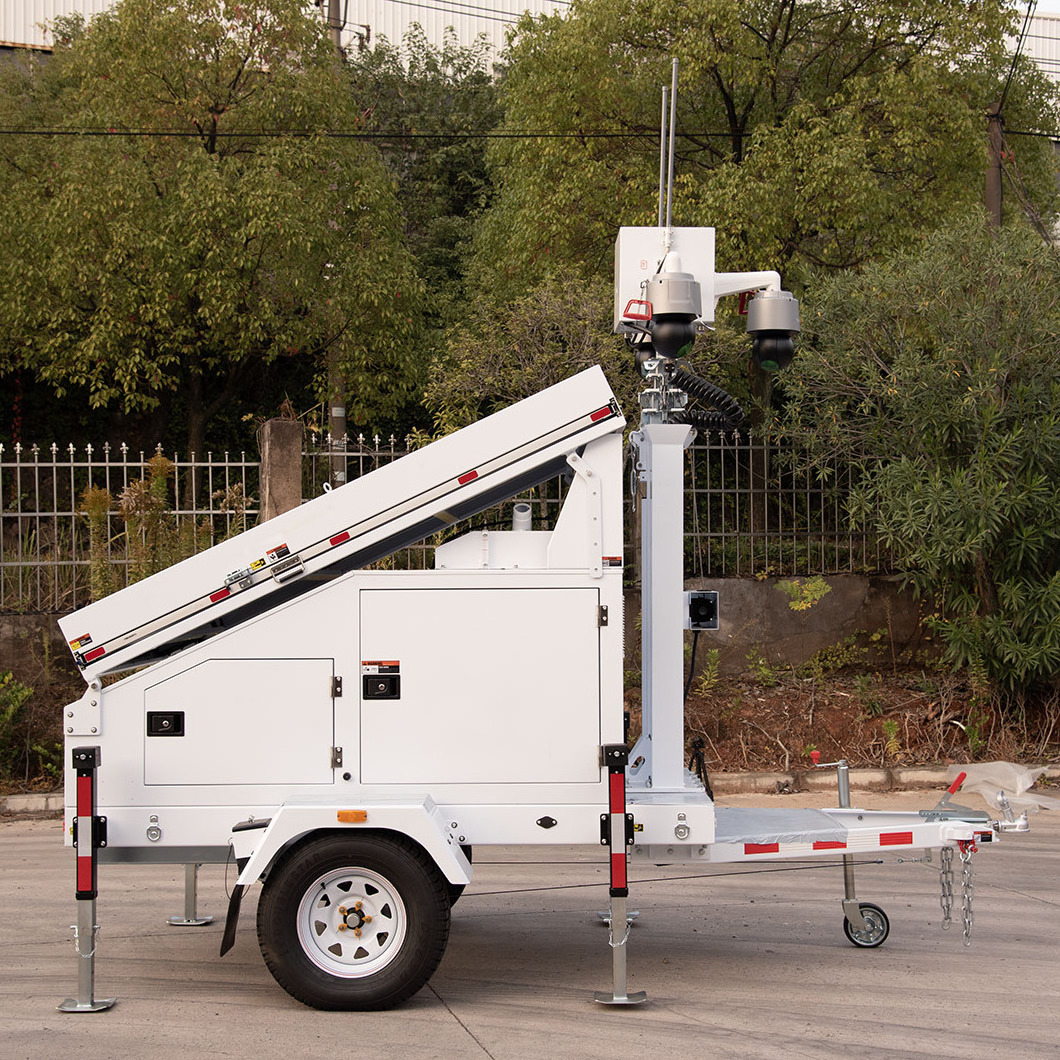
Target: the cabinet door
(493, 686)
(241, 721)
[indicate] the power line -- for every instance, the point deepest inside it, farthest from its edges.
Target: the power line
(494, 14)
(339, 134)
(1055, 137)
(507, 18)
(1031, 5)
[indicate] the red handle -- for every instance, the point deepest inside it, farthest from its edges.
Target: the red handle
(628, 315)
(815, 757)
(961, 777)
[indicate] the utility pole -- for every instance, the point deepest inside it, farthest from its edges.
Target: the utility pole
(995, 150)
(336, 381)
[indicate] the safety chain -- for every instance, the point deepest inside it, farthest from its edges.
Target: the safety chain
(946, 882)
(611, 934)
(77, 941)
(967, 848)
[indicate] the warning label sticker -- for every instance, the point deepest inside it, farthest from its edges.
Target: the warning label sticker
(378, 666)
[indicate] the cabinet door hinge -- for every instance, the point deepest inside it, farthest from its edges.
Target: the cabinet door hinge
(336, 688)
(336, 758)
(601, 615)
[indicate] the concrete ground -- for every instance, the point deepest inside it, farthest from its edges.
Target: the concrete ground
(749, 963)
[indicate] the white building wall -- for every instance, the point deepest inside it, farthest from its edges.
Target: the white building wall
(21, 21)
(1043, 44)
(470, 18)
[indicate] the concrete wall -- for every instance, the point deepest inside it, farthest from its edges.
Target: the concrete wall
(755, 615)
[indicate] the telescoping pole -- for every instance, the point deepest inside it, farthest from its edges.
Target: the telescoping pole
(617, 834)
(90, 833)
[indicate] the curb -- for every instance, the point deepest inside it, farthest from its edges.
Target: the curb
(894, 779)
(15, 804)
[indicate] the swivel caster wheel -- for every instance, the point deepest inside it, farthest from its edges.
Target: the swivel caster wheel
(877, 927)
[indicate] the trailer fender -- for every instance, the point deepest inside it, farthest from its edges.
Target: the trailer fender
(257, 848)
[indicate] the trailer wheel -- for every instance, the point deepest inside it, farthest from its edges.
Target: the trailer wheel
(877, 927)
(354, 922)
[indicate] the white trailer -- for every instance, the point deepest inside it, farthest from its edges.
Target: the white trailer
(348, 735)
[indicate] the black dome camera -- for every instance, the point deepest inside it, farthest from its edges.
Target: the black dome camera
(772, 321)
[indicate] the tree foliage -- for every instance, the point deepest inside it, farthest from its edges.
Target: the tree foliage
(810, 134)
(191, 221)
(437, 101)
(937, 373)
(561, 328)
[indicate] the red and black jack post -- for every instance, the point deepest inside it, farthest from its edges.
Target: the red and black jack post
(90, 833)
(616, 833)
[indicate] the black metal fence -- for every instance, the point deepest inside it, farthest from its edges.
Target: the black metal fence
(75, 523)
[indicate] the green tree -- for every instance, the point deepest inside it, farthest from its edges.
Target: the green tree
(438, 101)
(811, 134)
(937, 374)
(191, 221)
(560, 328)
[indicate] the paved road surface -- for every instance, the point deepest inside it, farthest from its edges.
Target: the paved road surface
(748, 966)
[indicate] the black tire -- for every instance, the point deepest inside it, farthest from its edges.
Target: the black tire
(878, 927)
(354, 922)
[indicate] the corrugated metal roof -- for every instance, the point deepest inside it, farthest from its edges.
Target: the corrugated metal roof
(22, 21)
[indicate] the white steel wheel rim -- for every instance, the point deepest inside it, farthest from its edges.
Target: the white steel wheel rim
(351, 923)
(873, 930)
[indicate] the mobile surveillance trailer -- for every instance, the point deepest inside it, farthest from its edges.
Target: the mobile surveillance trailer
(349, 734)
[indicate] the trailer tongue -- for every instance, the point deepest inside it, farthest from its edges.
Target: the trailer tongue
(349, 735)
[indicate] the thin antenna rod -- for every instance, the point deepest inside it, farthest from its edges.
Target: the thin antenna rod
(670, 176)
(662, 156)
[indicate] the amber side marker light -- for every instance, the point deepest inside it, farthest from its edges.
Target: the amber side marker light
(352, 816)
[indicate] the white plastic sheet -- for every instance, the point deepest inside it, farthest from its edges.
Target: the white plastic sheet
(988, 778)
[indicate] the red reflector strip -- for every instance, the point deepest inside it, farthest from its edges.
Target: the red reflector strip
(84, 867)
(339, 538)
(616, 783)
(84, 796)
(601, 414)
(618, 871)
(829, 846)
(896, 839)
(219, 595)
(468, 476)
(761, 848)
(95, 653)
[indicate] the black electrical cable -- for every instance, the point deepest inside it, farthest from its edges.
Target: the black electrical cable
(692, 663)
(1031, 5)
(726, 413)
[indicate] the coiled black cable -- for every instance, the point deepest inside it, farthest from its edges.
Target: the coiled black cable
(726, 414)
